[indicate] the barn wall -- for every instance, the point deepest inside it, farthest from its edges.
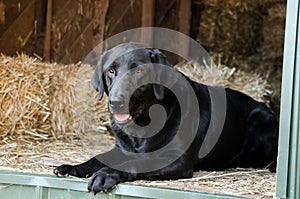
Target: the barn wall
(239, 31)
(66, 31)
(18, 26)
(243, 34)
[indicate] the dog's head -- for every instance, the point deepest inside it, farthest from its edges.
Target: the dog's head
(119, 72)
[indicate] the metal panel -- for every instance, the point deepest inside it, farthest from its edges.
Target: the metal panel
(293, 180)
(288, 160)
(23, 191)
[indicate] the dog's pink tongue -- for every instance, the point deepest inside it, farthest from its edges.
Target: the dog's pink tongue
(121, 117)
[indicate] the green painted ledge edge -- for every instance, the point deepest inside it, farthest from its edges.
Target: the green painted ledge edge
(124, 189)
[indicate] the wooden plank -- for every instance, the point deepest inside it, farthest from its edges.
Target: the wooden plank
(63, 33)
(40, 23)
(2, 13)
(166, 16)
(11, 10)
(184, 14)
(59, 6)
(17, 35)
(67, 27)
(80, 47)
(162, 9)
(148, 13)
(99, 20)
(47, 44)
(123, 15)
(147, 20)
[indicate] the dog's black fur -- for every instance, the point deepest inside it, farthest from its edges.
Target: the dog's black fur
(248, 139)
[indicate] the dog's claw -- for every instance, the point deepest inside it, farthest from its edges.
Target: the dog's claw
(103, 181)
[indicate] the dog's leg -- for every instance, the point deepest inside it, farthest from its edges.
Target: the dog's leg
(263, 131)
(181, 168)
(106, 178)
(83, 170)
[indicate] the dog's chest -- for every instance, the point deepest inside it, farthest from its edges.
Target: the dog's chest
(139, 145)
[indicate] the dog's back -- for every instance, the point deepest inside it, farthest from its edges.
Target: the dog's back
(249, 135)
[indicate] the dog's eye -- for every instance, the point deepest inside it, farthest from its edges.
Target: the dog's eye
(111, 70)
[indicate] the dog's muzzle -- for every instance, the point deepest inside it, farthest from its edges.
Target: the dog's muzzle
(119, 111)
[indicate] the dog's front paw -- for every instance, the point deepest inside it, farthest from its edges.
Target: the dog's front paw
(104, 180)
(63, 170)
(70, 170)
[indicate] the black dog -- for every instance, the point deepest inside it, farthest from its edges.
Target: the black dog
(248, 137)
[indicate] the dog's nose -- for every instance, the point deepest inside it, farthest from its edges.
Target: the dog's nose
(116, 102)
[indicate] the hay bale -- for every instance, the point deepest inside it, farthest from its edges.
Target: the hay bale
(248, 35)
(230, 27)
(39, 100)
(273, 31)
(24, 97)
(238, 27)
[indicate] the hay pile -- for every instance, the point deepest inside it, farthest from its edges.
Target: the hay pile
(42, 156)
(240, 182)
(219, 75)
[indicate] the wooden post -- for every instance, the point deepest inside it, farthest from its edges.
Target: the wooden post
(184, 22)
(47, 44)
(185, 16)
(99, 20)
(147, 20)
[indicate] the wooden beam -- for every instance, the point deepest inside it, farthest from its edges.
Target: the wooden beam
(99, 20)
(184, 15)
(148, 8)
(148, 13)
(47, 44)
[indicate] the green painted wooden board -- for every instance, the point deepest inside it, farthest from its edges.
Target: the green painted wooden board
(288, 174)
(15, 185)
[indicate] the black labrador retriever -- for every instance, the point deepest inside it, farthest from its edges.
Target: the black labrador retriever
(248, 137)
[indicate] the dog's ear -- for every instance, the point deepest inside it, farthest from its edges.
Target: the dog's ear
(157, 57)
(97, 80)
